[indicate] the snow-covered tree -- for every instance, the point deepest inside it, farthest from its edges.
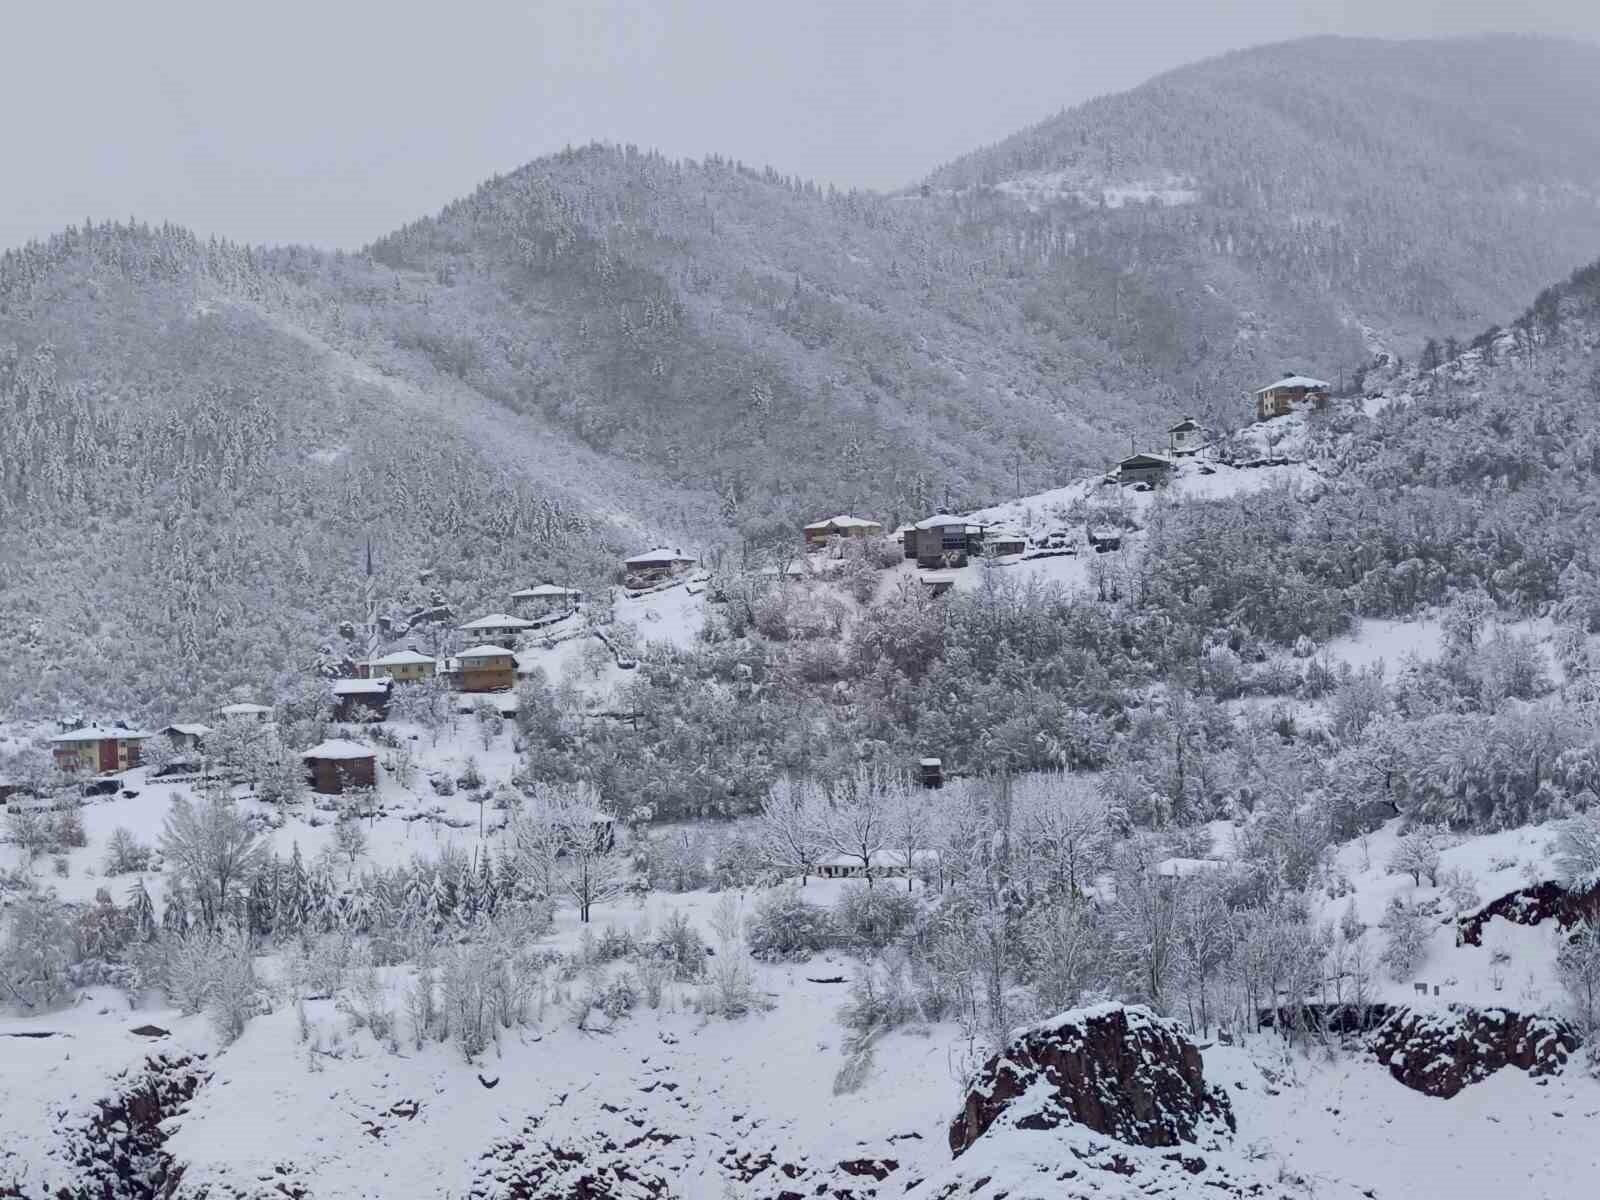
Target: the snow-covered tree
(212, 851)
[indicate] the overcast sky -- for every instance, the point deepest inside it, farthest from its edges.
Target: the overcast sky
(334, 121)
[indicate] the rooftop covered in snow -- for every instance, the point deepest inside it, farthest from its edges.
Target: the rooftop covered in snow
(497, 621)
(403, 658)
(340, 749)
(1295, 382)
(100, 733)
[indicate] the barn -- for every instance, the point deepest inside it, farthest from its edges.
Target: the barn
(335, 766)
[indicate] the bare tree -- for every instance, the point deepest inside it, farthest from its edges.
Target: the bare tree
(211, 849)
(789, 829)
(564, 841)
(855, 820)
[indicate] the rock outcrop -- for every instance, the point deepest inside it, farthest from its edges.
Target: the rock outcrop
(1116, 1070)
(1440, 1051)
(120, 1152)
(1548, 901)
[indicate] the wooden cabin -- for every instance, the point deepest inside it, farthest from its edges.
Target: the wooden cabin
(94, 750)
(655, 566)
(1187, 437)
(336, 765)
(486, 669)
(361, 699)
(1281, 398)
(941, 542)
(403, 666)
(823, 533)
(547, 598)
(253, 714)
(500, 629)
(1154, 469)
(930, 772)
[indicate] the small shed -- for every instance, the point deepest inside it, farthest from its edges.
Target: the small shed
(361, 699)
(403, 666)
(1281, 398)
(936, 585)
(941, 541)
(95, 750)
(254, 714)
(546, 598)
(930, 772)
(1153, 469)
(1187, 437)
(486, 669)
(821, 533)
(334, 766)
(1104, 538)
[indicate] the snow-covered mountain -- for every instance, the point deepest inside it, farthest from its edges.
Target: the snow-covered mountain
(605, 348)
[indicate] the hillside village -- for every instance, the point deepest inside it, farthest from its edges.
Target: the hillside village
(446, 961)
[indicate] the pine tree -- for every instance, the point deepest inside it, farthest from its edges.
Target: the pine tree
(259, 911)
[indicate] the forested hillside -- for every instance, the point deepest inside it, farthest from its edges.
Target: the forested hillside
(606, 348)
(1401, 186)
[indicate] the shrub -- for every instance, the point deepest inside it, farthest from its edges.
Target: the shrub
(786, 926)
(680, 946)
(880, 999)
(873, 917)
(68, 830)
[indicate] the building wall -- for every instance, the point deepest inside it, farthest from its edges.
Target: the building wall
(487, 678)
(333, 776)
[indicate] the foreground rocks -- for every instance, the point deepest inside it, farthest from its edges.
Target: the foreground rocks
(1120, 1071)
(1439, 1052)
(1548, 901)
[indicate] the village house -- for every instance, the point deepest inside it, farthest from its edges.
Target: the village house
(547, 598)
(403, 666)
(1001, 542)
(254, 714)
(486, 669)
(655, 566)
(94, 750)
(336, 765)
(823, 533)
(1281, 398)
(930, 772)
(186, 738)
(502, 629)
(1153, 469)
(941, 541)
(360, 699)
(886, 864)
(1187, 437)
